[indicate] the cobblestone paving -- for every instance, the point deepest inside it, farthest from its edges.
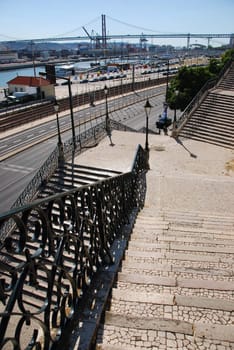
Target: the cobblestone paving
(229, 295)
(206, 275)
(158, 340)
(190, 314)
(185, 237)
(151, 264)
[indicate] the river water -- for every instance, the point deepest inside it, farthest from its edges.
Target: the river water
(5, 76)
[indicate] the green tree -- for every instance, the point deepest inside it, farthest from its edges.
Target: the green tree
(228, 55)
(187, 83)
(189, 80)
(215, 66)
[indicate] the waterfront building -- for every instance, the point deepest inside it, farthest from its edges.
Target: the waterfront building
(7, 56)
(36, 87)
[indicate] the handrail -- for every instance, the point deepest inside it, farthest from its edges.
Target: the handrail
(199, 97)
(56, 247)
(196, 101)
(95, 133)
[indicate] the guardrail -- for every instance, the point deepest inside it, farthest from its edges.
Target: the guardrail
(197, 100)
(86, 139)
(53, 251)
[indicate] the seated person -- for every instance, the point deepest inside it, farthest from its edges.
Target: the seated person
(163, 118)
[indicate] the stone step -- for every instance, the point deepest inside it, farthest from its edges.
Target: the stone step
(147, 224)
(145, 218)
(196, 215)
(216, 271)
(187, 231)
(173, 270)
(138, 278)
(195, 241)
(192, 292)
(206, 138)
(184, 261)
(174, 246)
(135, 282)
(182, 222)
(181, 255)
(164, 334)
(172, 306)
(112, 347)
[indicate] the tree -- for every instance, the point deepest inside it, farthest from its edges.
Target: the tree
(187, 82)
(190, 80)
(228, 55)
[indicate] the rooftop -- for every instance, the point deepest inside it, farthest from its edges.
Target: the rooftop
(29, 81)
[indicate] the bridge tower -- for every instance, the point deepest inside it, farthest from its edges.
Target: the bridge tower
(188, 41)
(143, 42)
(104, 32)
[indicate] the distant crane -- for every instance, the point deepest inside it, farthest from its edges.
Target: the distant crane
(93, 38)
(143, 41)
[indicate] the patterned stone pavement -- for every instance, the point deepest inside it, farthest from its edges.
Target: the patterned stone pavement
(175, 286)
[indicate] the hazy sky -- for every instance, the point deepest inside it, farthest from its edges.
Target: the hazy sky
(29, 19)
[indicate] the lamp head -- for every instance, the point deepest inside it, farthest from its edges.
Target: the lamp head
(56, 106)
(147, 107)
(105, 90)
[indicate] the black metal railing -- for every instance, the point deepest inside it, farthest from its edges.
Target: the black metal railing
(197, 100)
(86, 139)
(51, 254)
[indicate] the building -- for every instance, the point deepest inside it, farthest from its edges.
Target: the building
(7, 56)
(34, 87)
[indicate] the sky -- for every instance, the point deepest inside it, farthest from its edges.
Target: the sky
(31, 19)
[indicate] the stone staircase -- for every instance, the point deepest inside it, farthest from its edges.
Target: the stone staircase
(227, 82)
(69, 176)
(175, 287)
(34, 294)
(213, 120)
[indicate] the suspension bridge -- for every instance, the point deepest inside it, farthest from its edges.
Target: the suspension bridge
(102, 39)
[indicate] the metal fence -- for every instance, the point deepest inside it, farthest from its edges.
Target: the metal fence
(54, 250)
(197, 100)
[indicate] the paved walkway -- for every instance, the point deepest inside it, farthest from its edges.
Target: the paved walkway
(175, 286)
(183, 174)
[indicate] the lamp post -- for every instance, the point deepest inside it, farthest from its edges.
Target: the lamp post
(133, 77)
(174, 121)
(147, 107)
(60, 145)
(167, 81)
(108, 127)
(70, 103)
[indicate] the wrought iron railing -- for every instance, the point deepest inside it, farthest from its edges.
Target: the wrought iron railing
(86, 139)
(52, 253)
(197, 100)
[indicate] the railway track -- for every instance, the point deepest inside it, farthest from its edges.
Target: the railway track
(20, 141)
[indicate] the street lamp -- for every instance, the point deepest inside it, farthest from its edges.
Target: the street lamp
(167, 81)
(108, 127)
(147, 107)
(70, 103)
(60, 145)
(174, 121)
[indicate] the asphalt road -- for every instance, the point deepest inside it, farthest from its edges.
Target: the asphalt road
(17, 170)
